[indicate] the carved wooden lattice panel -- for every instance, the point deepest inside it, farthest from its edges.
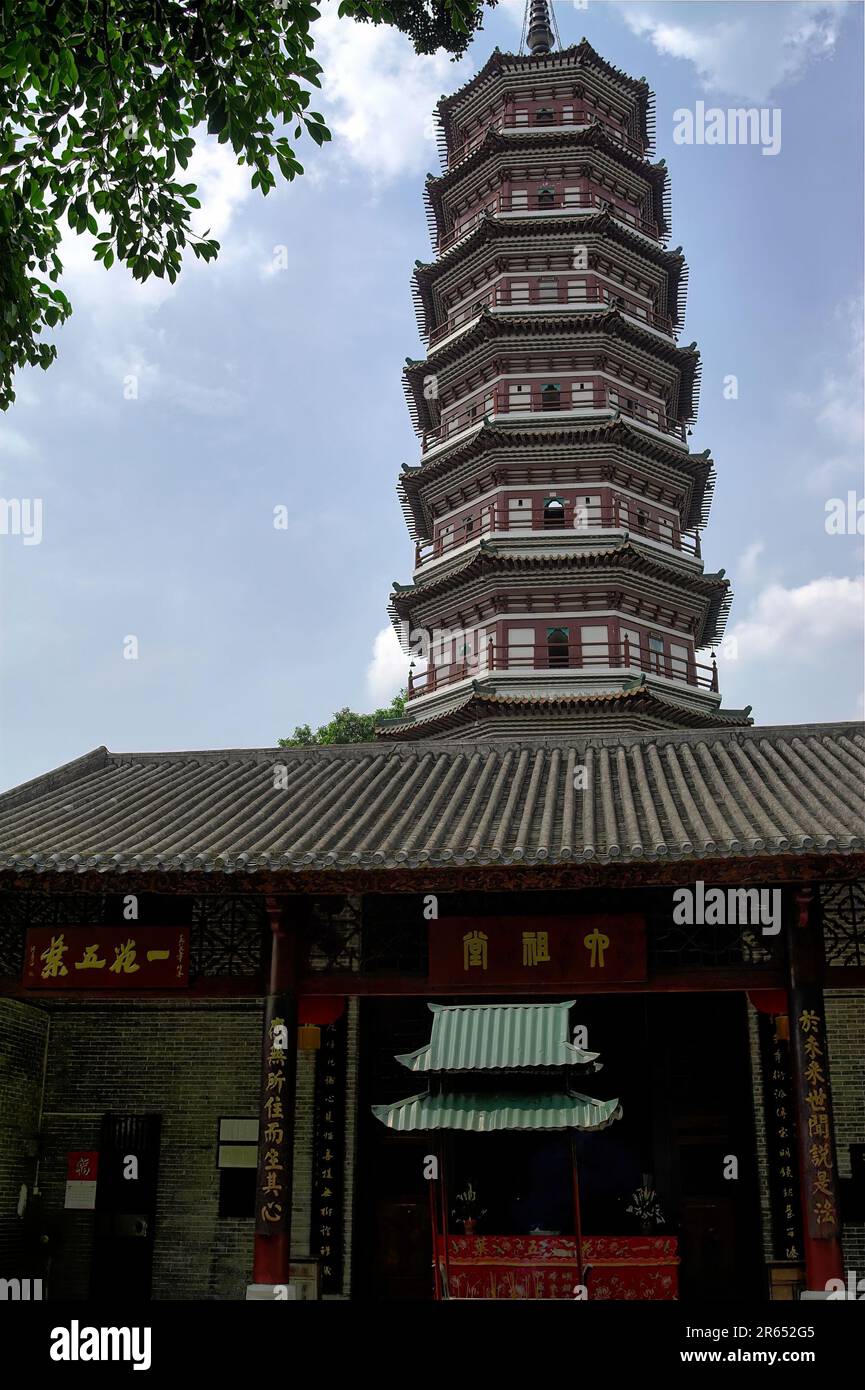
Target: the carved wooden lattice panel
(843, 907)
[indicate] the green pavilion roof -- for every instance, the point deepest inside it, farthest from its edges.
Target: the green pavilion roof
(481, 1113)
(497, 1037)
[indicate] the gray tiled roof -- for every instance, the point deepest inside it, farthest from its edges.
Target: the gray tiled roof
(693, 794)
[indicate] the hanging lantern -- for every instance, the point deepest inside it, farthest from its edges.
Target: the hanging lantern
(308, 1037)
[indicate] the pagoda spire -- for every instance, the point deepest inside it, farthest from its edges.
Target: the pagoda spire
(538, 28)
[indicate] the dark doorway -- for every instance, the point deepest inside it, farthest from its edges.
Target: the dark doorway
(703, 1118)
(680, 1066)
(392, 1255)
(126, 1207)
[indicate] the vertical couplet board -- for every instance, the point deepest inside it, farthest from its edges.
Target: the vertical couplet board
(328, 1172)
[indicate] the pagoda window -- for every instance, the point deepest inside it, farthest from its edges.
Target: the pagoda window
(551, 396)
(679, 661)
(546, 197)
(656, 654)
(519, 513)
(554, 513)
(548, 291)
(545, 116)
(519, 397)
(595, 645)
(557, 647)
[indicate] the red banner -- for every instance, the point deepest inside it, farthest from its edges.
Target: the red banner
(118, 958)
(523, 950)
(544, 1267)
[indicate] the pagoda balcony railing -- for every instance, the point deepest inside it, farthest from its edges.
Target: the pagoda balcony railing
(572, 656)
(572, 520)
(575, 118)
(541, 402)
(548, 202)
(508, 297)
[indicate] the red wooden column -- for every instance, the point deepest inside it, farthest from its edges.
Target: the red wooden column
(272, 1254)
(812, 1090)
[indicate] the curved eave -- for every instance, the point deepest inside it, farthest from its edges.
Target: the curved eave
(493, 228)
(413, 481)
(590, 137)
(489, 326)
(581, 54)
(491, 559)
(478, 702)
(483, 1113)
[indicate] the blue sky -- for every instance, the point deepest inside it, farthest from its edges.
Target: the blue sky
(272, 377)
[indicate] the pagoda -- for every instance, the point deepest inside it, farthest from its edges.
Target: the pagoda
(556, 508)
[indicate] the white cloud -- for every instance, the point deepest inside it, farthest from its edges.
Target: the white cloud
(836, 406)
(14, 444)
(378, 95)
(749, 50)
(387, 673)
(804, 624)
(110, 295)
(749, 560)
(222, 184)
(839, 405)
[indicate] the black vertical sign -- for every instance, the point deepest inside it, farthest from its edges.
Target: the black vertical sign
(780, 1112)
(328, 1177)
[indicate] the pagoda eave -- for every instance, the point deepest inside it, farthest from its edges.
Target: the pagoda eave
(581, 55)
(483, 712)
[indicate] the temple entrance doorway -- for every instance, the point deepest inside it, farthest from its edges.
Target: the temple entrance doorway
(679, 1065)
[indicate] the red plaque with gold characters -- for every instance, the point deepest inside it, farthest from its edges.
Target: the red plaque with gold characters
(520, 950)
(129, 957)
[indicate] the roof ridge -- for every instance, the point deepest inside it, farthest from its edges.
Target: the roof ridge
(57, 777)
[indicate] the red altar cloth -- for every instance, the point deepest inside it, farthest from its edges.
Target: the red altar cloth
(528, 1267)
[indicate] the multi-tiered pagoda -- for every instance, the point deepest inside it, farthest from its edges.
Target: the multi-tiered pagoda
(556, 509)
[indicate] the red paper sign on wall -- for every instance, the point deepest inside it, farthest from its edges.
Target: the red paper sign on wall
(520, 950)
(82, 1165)
(121, 958)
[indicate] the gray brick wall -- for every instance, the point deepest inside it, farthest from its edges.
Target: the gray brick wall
(189, 1061)
(23, 1035)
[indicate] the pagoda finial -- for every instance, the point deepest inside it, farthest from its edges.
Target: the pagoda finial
(538, 26)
